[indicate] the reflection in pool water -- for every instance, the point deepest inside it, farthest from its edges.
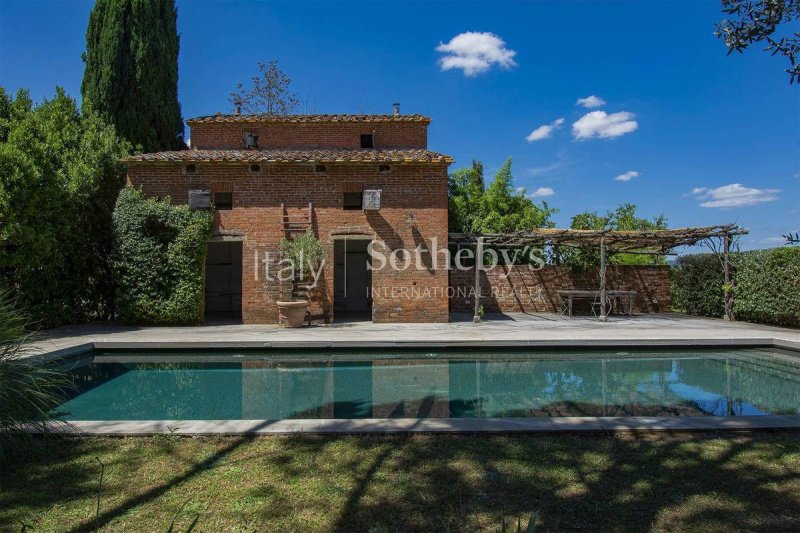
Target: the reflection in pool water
(221, 386)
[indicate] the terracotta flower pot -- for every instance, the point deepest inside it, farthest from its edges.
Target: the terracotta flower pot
(292, 314)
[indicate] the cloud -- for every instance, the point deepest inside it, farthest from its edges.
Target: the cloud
(541, 192)
(475, 52)
(604, 126)
(590, 102)
(627, 176)
(543, 132)
(733, 195)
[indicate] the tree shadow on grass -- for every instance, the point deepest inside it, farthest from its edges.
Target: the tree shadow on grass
(577, 482)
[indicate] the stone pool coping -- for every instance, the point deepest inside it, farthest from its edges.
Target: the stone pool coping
(121, 428)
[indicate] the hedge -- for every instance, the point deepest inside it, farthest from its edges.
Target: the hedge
(159, 260)
(697, 285)
(767, 288)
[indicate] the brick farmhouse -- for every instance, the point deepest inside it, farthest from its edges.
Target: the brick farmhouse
(271, 177)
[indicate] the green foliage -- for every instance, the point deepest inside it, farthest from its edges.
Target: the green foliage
(763, 21)
(131, 73)
(767, 288)
(160, 252)
(29, 389)
(498, 208)
(59, 178)
(304, 251)
(697, 285)
(623, 218)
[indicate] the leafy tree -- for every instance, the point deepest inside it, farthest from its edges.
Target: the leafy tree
(623, 218)
(758, 21)
(59, 178)
(269, 94)
(131, 73)
(498, 208)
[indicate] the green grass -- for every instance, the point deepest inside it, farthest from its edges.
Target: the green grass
(407, 483)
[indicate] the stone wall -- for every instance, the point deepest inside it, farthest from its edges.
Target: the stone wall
(536, 291)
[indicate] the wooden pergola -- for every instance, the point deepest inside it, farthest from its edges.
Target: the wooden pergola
(648, 242)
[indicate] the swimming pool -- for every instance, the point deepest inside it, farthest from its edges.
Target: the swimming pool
(420, 384)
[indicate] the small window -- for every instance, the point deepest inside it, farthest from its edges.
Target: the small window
(384, 169)
(190, 169)
(352, 200)
(255, 169)
(320, 168)
(223, 200)
(367, 141)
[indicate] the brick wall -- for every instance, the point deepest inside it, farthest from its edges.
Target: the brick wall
(536, 291)
(221, 135)
(413, 212)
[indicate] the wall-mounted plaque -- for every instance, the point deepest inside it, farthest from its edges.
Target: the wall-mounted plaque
(372, 200)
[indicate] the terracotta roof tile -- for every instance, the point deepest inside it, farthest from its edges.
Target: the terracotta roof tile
(308, 118)
(296, 156)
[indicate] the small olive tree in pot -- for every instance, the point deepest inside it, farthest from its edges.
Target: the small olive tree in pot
(303, 254)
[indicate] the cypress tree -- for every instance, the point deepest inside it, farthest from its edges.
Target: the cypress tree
(131, 71)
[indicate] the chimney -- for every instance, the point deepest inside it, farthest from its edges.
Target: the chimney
(396, 109)
(237, 107)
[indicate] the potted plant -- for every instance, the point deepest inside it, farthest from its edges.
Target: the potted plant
(305, 254)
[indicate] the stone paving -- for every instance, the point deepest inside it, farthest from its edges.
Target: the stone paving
(495, 330)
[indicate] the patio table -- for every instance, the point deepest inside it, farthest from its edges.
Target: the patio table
(569, 295)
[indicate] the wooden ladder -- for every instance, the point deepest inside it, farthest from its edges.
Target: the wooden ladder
(300, 223)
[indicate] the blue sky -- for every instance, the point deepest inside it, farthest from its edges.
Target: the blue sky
(677, 111)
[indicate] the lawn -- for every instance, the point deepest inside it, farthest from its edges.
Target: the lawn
(653, 482)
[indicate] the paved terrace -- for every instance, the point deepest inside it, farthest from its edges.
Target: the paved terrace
(669, 329)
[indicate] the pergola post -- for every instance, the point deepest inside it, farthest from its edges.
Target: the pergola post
(478, 267)
(603, 312)
(726, 268)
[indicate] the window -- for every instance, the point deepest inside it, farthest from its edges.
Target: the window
(190, 169)
(367, 141)
(320, 168)
(223, 200)
(384, 169)
(352, 200)
(255, 169)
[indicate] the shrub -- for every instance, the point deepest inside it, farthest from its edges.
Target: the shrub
(29, 389)
(697, 285)
(304, 251)
(768, 286)
(160, 252)
(59, 178)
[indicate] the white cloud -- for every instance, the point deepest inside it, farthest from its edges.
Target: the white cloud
(475, 52)
(543, 132)
(590, 102)
(541, 192)
(733, 195)
(627, 176)
(521, 189)
(602, 125)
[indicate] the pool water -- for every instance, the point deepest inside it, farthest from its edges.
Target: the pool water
(418, 384)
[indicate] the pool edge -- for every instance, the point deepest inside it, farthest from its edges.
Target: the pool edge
(429, 425)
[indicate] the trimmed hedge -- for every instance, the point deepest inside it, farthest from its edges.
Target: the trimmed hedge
(697, 282)
(767, 289)
(768, 286)
(160, 252)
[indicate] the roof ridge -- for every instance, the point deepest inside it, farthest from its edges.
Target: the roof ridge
(333, 117)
